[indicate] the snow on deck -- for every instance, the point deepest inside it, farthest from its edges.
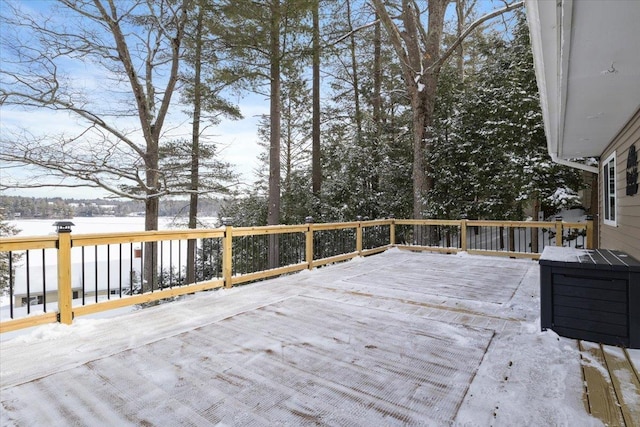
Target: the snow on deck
(399, 338)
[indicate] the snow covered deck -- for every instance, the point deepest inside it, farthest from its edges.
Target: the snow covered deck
(399, 338)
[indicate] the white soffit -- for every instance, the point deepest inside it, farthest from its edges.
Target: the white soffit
(587, 57)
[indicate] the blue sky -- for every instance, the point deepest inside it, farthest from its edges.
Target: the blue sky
(236, 140)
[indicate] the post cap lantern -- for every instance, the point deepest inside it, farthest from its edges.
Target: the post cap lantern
(63, 226)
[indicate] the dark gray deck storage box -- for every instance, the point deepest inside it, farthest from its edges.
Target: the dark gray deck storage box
(593, 295)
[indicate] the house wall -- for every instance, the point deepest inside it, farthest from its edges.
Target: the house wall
(37, 298)
(625, 235)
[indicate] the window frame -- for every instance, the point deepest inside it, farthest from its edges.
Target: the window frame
(609, 193)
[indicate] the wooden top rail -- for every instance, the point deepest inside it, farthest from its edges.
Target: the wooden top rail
(574, 224)
(46, 242)
(352, 224)
(270, 229)
(427, 221)
(144, 236)
(335, 225)
(524, 224)
(376, 222)
(490, 223)
(24, 243)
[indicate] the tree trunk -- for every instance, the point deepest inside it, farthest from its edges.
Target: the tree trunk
(419, 53)
(316, 168)
(195, 148)
(273, 215)
(376, 102)
(152, 204)
(460, 52)
(288, 167)
(376, 99)
(423, 105)
(354, 73)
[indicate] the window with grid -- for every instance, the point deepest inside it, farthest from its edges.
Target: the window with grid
(609, 184)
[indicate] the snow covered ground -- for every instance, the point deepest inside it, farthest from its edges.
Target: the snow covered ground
(399, 338)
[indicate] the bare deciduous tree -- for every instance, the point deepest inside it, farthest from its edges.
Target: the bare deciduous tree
(131, 50)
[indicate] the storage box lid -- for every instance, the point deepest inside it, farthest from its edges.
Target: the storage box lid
(605, 259)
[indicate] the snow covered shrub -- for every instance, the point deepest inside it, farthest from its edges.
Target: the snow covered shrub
(563, 198)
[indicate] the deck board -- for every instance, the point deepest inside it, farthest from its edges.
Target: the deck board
(600, 392)
(625, 383)
(612, 385)
(398, 338)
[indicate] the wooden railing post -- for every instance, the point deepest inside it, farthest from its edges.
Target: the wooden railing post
(558, 231)
(463, 234)
(309, 242)
(359, 236)
(589, 232)
(392, 231)
(227, 255)
(65, 295)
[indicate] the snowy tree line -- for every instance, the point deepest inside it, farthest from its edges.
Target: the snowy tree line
(14, 207)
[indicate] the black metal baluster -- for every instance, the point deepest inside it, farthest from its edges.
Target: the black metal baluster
(28, 284)
(170, 264)
(520, 239)
(161, 251)
(95, 263)
(83, 278)
(285, 249)
(108, 272)
(11, 280)
(131, 268)
(249, 253)
(142, 268)
(260, 259)
(366, 237)
(493, 239)
(349, 238)
(476, 234)
(154, 264)
(44, 283)
(120, 270)
(485, 244)
(202, 245)
(179, 261)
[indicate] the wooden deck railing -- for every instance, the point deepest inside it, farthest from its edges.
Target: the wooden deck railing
(97, 272)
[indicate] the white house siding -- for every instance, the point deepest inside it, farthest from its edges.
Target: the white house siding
(625, 235)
